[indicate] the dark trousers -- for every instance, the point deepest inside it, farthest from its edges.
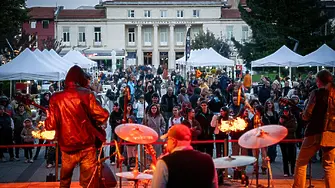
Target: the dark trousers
(87, 160)
(28, 151)
(38, 149)
(289, 152)
(206, 148)
(158, 89)
(18, 141)
(6, 141)
(220, 148)
(272, 152)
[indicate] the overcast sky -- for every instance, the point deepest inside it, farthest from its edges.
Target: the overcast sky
(68, 4)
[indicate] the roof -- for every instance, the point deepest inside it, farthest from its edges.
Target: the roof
(82, 14)
(230, 14)
(42, 12)
(162, 2)
(243, 2)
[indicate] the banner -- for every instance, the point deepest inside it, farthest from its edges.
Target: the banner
(188, 44)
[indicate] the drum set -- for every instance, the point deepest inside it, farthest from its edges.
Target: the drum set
(140, 135)
(255, 139)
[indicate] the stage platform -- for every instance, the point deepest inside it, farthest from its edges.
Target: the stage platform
(278, 183)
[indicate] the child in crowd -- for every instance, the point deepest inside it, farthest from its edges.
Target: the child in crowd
(28, 139)
(139, 108)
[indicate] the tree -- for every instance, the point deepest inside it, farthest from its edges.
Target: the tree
(12, 15)
(51, 43)
(272, 23)
(208, 40)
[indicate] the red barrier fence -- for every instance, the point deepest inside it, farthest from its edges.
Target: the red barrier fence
(160, 143)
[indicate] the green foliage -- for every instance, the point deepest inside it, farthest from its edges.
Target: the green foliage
(273, 21)
(12, 15)
(208, 40)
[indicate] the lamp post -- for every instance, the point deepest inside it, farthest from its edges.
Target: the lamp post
(294, 49)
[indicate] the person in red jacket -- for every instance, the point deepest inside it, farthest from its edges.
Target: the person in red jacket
(75, 115)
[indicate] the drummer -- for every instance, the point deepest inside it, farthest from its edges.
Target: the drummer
(183, 167)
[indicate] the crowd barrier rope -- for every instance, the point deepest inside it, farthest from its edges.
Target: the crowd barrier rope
(155, 143)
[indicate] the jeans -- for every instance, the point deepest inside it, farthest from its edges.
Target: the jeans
(310, 146)
(87, 160)
(28, 151)
(255, 152)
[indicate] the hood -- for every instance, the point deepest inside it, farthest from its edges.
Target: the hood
(76, 75)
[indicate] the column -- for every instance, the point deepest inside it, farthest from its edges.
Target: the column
(172, 53)
(155, 52)
(139, 52)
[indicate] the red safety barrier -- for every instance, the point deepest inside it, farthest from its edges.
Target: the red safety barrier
(156, 143)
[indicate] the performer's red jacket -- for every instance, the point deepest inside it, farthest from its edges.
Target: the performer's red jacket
(71, 112)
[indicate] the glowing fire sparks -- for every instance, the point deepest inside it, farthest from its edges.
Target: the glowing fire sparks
(237, 124)
(43, 134)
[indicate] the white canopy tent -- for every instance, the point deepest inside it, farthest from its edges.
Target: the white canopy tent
(50, 61)
(283, 57)
(58, 59)
(206, 57)
(80, 60)
(323, 56)
(27, 66)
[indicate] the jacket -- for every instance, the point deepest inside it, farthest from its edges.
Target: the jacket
(291, 124)
(72, 113)
(247, 80)
(27, 134)
(328, 135)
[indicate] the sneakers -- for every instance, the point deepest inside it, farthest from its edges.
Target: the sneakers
(26, 161)
(285, 175)
(49, 166)
(16, 159)
(31, 161)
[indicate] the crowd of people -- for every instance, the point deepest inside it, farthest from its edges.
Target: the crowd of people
(195, 101)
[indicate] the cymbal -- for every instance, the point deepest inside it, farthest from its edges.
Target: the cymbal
(131, 175)
(136, 133)
(263, 136)
(233, 161)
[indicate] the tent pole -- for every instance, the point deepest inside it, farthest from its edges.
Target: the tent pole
(279, 71)
(10, 89)
(317, 69)
(290, 70)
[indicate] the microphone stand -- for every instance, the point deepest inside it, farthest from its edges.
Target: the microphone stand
(310, 174)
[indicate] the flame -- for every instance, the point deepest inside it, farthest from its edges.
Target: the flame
(43, 134)
(234, 125)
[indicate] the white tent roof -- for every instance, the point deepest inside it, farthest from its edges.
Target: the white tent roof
(206, 57)
(66, 64)
(27, 66)
(324, 56)
(50, 61)
(80, 60)
(281, 58)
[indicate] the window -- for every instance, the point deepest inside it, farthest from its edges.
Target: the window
(45, 24)
(147, 13)
(230, 30)
(131, 13)
(163, 13)
(180, 36)
(147, 36)
(245, 33)
(82, 37)
(180, 13)
(163, 36)
(97, 34)
(33, 24)
(66, 34)
(196, 13)
(131, 36)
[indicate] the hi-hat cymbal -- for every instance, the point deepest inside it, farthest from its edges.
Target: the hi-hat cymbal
(136, 133)
(134, 176)
(233, 161)
(263, 136)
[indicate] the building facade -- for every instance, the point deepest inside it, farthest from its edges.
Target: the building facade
(41, 23)
(146, 32)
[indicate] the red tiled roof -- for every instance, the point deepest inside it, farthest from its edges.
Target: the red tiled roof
(230, 13)
(82, 14)
(42, 12)
(243, 2)
(159, 0)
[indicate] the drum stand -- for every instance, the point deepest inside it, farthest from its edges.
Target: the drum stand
(269, 171)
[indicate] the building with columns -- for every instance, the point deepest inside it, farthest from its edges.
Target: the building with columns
(146, 31)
